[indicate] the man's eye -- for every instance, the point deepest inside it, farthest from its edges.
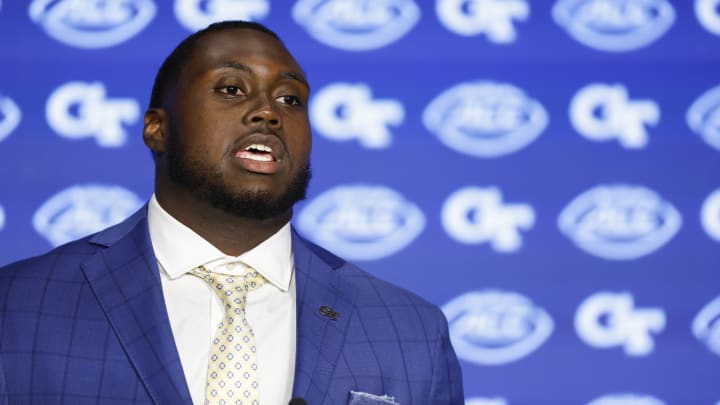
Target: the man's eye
(230, 90)
(289, 100)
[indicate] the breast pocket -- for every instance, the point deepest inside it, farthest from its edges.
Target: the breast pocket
(363, 398)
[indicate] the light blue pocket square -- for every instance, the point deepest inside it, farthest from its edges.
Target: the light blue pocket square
(363, 398)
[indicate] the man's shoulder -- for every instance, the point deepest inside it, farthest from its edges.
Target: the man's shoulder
(384, 311)
(373, 290)
(69, 255)
(33, 286)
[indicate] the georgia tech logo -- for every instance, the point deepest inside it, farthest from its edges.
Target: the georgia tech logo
(706, 325)
(198, 14)
(492, 327)
(614, 25)
(81, 110)
(708, 13)
(475, 215)
(608, 319)
(356, 25)
(619, 222)
(710, 215)
(361, 222)
(703, 117)
(601, 112)
(626, 399)
(92, 23)
(83, 209)
(10, 116)
(485, 119)
(491, 17)
(344, 111)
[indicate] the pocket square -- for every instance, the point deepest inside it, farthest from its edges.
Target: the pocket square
(363, 398)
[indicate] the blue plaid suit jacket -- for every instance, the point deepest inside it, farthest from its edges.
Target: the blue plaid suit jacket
(86, 323)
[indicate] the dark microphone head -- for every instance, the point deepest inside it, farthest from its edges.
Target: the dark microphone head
(297, 401)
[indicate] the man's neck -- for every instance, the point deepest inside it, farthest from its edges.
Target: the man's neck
(229, 233)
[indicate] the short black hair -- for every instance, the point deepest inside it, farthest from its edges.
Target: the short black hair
(173, 64)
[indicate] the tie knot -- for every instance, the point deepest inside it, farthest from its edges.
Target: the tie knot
(232, 289)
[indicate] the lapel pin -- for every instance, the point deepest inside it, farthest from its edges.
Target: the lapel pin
(329, 312)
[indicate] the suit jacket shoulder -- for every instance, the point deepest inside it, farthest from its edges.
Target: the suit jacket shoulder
(86, 323)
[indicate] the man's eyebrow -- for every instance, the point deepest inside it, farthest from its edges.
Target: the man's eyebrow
(248, 69)
(235, 65)
(297, 77)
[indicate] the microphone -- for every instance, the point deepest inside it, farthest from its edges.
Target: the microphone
(297, 401)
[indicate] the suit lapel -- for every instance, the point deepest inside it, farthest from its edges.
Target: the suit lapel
(320, 292)
(126, 282)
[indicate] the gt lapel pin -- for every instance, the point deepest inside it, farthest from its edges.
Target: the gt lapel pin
(329, 312)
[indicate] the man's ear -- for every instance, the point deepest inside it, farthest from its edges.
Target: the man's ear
(155, 130)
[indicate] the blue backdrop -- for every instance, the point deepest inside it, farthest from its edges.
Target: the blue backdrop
(545, 171)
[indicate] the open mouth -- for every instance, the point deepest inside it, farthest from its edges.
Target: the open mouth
(263, 154)
(257, 152)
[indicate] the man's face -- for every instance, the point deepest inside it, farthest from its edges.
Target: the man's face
(239, 134)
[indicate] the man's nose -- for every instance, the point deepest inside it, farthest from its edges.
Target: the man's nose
(264, 114)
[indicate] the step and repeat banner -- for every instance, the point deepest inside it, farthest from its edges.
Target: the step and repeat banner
(548, 172)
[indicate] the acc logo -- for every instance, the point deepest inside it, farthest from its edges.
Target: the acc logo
(81, 210)
(703, 117)
(486, 401)
(197, 14)
(619, 222)
(485, 119)
(708, 13)
(10, 116)
(357, 25)
(614, 25)
(609, 319)
(710, 215)
(92, 23)
(81, 110)
(494, 327)
(601, 112)
(706, 326)
(491, 17)
(476, 215)
(626, 399)
(343, 111)
(361, 222)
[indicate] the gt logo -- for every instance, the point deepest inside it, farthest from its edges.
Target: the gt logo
(82, 110)
(608, 319)
(601, 112)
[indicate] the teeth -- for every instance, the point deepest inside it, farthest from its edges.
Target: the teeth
(258, 147)
(260, 158)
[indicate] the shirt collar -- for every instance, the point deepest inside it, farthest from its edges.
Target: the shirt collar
(179, 249)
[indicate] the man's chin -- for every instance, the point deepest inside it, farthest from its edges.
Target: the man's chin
(258, 203)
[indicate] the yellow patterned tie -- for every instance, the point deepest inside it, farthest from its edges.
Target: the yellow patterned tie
(232, 367)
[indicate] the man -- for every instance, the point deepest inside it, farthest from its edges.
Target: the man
(131, 314)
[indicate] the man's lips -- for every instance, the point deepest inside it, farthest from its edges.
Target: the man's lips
(260, 153)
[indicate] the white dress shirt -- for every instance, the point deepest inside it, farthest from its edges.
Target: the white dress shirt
(195, 310)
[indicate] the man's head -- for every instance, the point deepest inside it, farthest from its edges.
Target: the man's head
(228, 123)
